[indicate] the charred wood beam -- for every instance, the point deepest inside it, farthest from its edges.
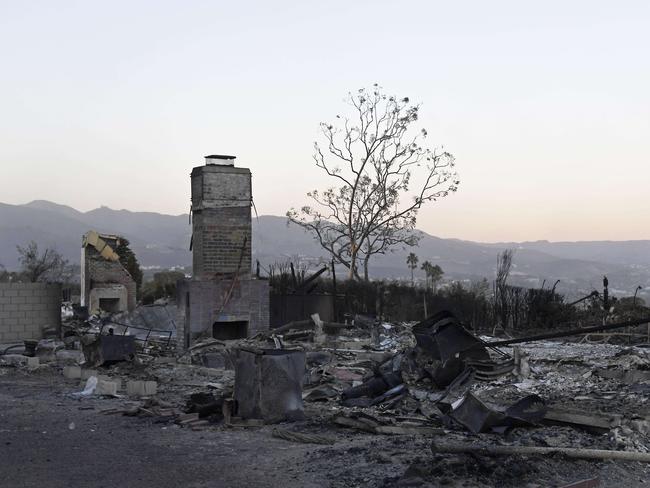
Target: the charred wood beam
(309, 324)
(306, 283)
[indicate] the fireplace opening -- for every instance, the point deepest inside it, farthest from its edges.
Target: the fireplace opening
(237, 329)
(110, 304)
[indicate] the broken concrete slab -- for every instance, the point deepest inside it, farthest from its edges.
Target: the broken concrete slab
(72, 372)
(69, 356)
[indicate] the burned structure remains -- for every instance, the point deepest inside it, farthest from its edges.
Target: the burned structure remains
(222, 299)
(105, 282)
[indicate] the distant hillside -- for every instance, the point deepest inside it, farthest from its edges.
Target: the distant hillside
(163, 241)
(620, 252)
(158, 240)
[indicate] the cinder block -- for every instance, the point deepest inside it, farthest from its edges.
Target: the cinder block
(72, 372)
(105, 387)
(141, 388)
(33, 363)
(134, 388)
(118, 383)
(150, 388)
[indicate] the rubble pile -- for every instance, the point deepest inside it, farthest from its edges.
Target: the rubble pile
(434, 381)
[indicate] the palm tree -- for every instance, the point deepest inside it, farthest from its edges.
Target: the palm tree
(435, 272)
(412, 261)
(426, 267)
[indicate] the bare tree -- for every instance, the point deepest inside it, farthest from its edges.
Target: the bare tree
(501, 301)
(384, 177)
(49, 266)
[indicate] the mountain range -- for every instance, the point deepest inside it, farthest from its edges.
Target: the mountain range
(162, 241)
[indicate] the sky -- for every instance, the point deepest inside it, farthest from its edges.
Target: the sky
(545, 105)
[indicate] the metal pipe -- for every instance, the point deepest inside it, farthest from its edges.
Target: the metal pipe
(571, 332)
(574, 453)
(635, 292)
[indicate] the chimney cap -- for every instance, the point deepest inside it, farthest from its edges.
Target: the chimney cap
(220, 160)
(220, 156)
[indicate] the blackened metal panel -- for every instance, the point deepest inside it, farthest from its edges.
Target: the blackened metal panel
(268, 384)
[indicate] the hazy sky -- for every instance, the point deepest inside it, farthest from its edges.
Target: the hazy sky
(545, 105)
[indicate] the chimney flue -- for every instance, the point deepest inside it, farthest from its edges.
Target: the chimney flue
(220, 160)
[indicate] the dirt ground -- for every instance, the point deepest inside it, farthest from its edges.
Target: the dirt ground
(50, 439)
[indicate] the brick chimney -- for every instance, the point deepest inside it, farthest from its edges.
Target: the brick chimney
(221, 222)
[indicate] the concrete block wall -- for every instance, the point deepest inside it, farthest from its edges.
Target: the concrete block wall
(28, 308)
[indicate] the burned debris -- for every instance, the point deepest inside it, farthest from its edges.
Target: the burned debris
(454, 394)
